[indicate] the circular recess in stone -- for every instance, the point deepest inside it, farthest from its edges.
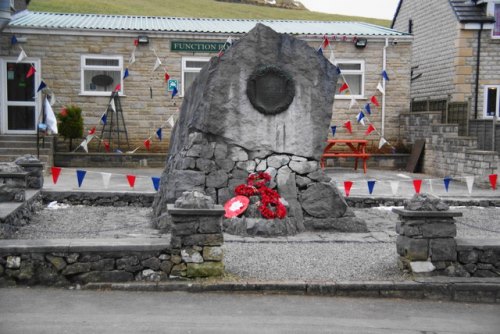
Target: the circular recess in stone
(270, 89)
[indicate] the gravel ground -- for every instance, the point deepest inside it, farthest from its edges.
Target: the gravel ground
(307, 260)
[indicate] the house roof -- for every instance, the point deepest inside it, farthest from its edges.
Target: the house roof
(192, 25)
(465, 10)
(468, 12)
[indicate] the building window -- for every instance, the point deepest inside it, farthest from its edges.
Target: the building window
(101, 74)
(491, 101)
(496, 29)
(191, 66)
(353, 73)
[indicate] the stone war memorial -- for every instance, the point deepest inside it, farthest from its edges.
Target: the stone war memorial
(256, 119)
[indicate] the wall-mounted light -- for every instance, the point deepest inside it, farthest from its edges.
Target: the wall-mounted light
(143, 39)
(361, 43)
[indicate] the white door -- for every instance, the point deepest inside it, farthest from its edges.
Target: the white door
(20, 103)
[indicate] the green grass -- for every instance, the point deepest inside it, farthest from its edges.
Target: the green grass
(188, 8)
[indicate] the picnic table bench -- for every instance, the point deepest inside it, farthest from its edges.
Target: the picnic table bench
(357, 151)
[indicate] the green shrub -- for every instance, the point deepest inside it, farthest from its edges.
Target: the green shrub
(70, 123)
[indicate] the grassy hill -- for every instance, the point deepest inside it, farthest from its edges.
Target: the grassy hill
(189, 8)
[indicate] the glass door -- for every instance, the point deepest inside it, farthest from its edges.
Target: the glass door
(19, 106)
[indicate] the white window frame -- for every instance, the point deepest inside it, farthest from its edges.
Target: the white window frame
(186, 69)
(491, 12)
(485, 105)
(84, 67)
(361, 72)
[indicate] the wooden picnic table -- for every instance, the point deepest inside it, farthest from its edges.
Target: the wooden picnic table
(357, 151)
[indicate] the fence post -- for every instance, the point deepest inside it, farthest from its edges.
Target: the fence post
(447, 108)
(469, 104)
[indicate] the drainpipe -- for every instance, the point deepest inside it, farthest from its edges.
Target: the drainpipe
(4, 14)
(384, 65)
(478, 63)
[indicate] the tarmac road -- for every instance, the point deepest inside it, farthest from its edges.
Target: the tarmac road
(24, 310)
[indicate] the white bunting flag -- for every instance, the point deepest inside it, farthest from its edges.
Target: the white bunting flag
(380, 88)
(112, 105)
(229, 40)
(132, 152)
(353, 102)
(52, 98)
(431, 190)
(394, 187)
(105, 179)
(21, 56)
(157, 64)
(89, 138)
(362, 122)
(50, 117)
(381, 143)
(132, 58)
(171, 121)
(84, 145)
(470, 183)
(332, 58)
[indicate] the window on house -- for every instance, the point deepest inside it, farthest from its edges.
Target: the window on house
(353, 73)
(496, 30)
(191, 66)
(101, 74)
(491, 101)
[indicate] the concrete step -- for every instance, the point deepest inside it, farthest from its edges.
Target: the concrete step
(29, 138)
(24, 144)
(24, 150)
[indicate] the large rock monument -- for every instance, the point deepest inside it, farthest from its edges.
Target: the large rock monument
(265, 105)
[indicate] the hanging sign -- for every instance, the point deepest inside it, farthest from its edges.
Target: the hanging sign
(197, 46)
(172, 83)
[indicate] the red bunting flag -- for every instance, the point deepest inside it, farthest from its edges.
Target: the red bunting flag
(136, 42)
(370, 129)
(147, 144)
(118, 88)
(131, 180)
(106, 146)
(92, 131)
(326, 42)
(55, 174)
(493, 181)
(344, 87)
(31, 71)
(348, 126)
(347, 187)
(167, 76)
(417, 184)
(375, 101)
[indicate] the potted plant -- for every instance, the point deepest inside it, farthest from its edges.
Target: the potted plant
(71, 123)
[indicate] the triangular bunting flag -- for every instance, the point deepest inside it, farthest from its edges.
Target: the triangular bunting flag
(171, 121)
(104, 119)
(384, 75)
(147, 144)
(105, 179)
(375, 101)
(394, 187)
(368, 108)
(344, 87)
(167, 76)
(125, 74)
(380, 88)
(56, 171)
(159, 134)
(417, 184)
(338, 70)
(446, 181)
(353, 102)
(348, 126)
(89, 138)
(493, 181)
(31, 71)
(118, 151)
(470, 183)
(157, 64)
(360, 116)
(156, 182)
(80, 175)
(42, 86)
(21, 56)
(229, 41)
(106, 146)
(174, 92)
(13, 40)
(334, 129)
(320, 51)
(381, 143)
(347, 187)
(370, 129)
(131, 180)
(118, 88)
(371, 185)
(431, 190)
(362, 122)
(84, 145)
(132, 152)
(132, 58)
(136, 42)
(332, 58)
(112, 105)
(92, 131)
(325, 43)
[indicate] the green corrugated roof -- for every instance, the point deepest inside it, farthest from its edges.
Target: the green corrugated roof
(192, 25)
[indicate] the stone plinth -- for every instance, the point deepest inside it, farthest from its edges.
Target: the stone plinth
(197, 241)
(426, 236)
(34, 168)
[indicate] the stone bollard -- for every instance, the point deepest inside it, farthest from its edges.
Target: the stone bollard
(34, 168)
(196, 236)
(426, 241)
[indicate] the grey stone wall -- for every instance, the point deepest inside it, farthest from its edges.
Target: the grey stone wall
(478, 258)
